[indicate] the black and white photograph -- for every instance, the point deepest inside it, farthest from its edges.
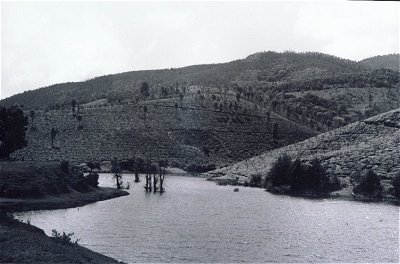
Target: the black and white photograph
(200, 132)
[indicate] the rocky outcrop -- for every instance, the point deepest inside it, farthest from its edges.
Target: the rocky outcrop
(370, 144)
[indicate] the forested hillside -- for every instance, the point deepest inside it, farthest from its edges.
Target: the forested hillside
(218, 113)
(390, 61)
(372, 144)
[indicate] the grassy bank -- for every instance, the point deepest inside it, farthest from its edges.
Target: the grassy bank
(23, 243)
(26, 186)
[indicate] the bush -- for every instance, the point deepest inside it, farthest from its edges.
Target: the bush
(370, 184)
(255, 180)
(64, 166)
(64, 237)
(92, 179)
(396, 185)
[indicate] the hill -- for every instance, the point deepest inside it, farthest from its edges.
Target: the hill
(205, 114)
(264, 66)
(369, 144)
(390, 61)
(193, 132)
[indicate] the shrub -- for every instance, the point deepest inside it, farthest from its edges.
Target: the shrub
(92, 179)
(396, 185)
(91, 165)
(64, 166)
(255, 180)
(370, 184)
(64, 237)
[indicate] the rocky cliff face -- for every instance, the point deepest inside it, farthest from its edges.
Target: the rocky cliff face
(370, 144)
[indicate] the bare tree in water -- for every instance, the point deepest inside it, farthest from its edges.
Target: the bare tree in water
(117, 173)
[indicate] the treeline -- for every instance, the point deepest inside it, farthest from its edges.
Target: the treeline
(294, 176)
(376, 78)
(298, 176)
(316, 112)
(286, 71)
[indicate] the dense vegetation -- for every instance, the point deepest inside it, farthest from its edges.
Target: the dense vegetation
(22, 179)
(13, 124)
(369, 184)
(253, 76)
(196, 116)
(391, 61)
(300, 177)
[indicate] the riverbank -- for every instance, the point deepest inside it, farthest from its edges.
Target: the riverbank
(23, 243)
(28, 186)
(345, 193)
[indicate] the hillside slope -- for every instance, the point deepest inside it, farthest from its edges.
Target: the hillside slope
(202, 114)
(370, 144)
(263, 66)
(184, 134)
(390, 61)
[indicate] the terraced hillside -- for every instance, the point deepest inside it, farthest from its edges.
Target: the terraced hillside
(186, 133)
(370, 144)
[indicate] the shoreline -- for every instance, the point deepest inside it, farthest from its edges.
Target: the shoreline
(337, 195)
(25, 243)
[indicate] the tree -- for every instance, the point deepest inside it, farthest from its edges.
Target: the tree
(370, 184)
(317, 175)
(32, 116)
(92, 179)
(79, 117)
(396, 185)
(117, 173)
(279, 174)
(274, 131)
(53, 134)
(13, 125)
(298, 180)
(73, 104)
(145, 116)
(144, 89)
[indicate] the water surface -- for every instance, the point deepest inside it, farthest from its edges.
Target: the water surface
(198, 221)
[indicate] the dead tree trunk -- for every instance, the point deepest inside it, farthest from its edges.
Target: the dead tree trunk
(154, 183)
(162, 178)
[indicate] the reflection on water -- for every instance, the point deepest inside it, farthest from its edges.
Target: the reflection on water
(198, 221)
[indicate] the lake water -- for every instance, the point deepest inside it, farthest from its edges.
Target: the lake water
(198, 221)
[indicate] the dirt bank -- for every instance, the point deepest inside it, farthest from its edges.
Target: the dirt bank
(27, 186)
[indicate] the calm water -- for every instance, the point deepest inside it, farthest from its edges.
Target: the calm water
(198, 221)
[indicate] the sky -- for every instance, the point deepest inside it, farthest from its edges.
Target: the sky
(44, 43)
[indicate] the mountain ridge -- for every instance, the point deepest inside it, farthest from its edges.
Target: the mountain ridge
(194, 73)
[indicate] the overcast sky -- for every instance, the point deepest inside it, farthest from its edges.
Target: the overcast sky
(44, 43)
